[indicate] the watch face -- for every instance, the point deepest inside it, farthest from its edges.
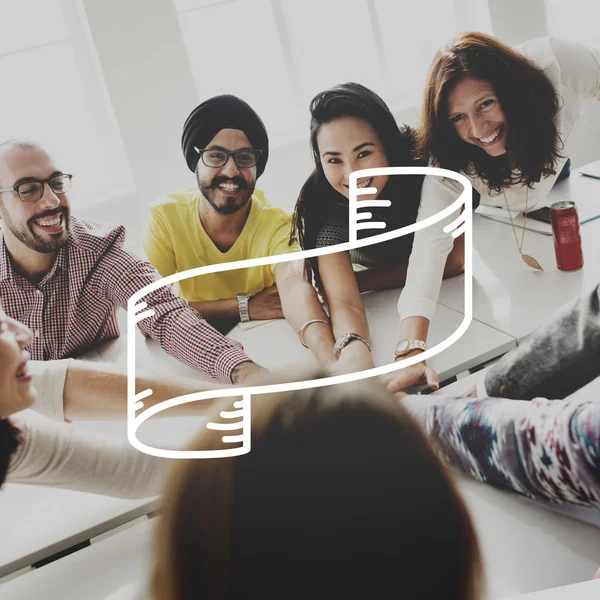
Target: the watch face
(402, 346)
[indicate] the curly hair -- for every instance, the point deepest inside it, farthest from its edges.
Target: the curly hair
(317, 195)
(528, 99)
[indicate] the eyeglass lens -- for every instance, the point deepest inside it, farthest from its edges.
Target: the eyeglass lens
(30, 191)
(217, 158)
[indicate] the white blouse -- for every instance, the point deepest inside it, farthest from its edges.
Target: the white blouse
(57, 454)
(574, 70)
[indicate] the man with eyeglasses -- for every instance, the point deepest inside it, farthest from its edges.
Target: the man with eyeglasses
(225, 219)
(64, 278)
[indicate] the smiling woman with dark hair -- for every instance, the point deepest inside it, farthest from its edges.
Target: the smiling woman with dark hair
(502, 117)
(352, 129)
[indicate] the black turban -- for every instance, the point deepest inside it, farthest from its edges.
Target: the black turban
(223, 112)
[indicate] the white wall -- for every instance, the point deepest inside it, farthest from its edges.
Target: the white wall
(151, 87)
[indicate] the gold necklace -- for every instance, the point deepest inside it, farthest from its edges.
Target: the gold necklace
(528, 260)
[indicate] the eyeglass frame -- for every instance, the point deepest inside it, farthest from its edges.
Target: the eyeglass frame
(229, 154)
(15, 188)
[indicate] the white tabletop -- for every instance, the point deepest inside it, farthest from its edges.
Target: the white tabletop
(510, 296)
(93, 573)
(588, 590)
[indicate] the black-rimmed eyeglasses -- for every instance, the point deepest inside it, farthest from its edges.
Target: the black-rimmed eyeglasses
(30, 191)
(215, 157)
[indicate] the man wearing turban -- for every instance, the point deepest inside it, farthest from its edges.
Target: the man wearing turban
(225, 219)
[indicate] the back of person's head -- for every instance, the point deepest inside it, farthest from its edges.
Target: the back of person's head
(341, 496)
(344, 100)
(528, 99)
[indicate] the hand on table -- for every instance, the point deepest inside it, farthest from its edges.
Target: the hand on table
(414, 375)
(248, 373)
(265, 306)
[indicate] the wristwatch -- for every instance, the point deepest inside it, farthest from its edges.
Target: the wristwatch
(404, 347)
(345, 340)
(243, 300)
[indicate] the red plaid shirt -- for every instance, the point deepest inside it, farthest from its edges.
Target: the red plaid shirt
(73, 309)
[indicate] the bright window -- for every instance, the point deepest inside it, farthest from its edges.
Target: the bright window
(574, 20)
(277, 54)
(53, 93)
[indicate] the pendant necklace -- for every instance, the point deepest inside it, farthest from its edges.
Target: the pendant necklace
(528, 260)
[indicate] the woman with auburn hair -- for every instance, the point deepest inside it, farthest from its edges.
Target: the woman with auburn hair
(502, 117)
(341, 496)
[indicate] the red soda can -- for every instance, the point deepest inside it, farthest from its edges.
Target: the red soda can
(567, 239)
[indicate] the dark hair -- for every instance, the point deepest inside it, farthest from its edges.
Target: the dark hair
(9, 442)
(528, 99)
(317, 195)
(340, 496)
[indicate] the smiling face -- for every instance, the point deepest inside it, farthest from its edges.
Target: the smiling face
(42, 225)
(227, 188)
(348, 144)
(476, 114)
(16, 391)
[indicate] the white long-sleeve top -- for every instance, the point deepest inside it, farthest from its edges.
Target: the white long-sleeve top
(574, 71)
(57, 454)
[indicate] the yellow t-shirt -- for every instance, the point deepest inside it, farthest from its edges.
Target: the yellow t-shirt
(175, 241)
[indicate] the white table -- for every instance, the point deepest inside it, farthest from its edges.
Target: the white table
(93, 573)
(588, 590)
(510, 296)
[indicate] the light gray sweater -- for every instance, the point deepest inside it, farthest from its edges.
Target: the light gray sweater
(57, 454)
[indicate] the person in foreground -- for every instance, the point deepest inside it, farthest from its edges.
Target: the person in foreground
(40, 448)
(502, 117)
(519, 439)
(64, 277)
(341, 496)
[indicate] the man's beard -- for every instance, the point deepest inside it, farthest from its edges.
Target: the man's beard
(232, 204)
(25, 234)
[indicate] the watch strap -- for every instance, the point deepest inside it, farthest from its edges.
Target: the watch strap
(412, 345)
(345, 339)
(243, 309)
